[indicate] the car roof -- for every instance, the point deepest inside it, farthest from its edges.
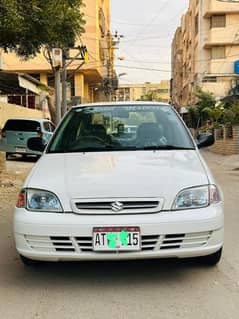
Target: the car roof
(122, 104)
(28, 119)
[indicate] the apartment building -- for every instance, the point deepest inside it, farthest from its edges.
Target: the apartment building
(86, 85)
(134, 92)
(205, 51)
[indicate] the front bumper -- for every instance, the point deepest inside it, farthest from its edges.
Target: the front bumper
(68, 236)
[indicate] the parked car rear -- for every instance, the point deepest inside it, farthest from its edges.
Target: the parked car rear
(16, 133)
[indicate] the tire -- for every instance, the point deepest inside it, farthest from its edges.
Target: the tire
(29, 262)
(213, 259)
(7, 155)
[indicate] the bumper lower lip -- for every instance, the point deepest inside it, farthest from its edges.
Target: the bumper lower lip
(193, 224)
(186, 253)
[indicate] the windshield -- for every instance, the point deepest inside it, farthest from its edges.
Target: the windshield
(128, 127)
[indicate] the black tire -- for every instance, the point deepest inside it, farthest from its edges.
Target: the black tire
(7, 155)
(29, 262)
(213, 259)
(24, 156)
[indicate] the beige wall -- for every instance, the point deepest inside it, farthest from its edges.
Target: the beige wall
(14, 111)
(214, 6)
(134, 92)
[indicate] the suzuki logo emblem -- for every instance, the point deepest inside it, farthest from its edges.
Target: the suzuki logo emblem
(117, 206)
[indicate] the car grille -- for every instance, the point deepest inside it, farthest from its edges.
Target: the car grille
(148, 242)
(117, 206)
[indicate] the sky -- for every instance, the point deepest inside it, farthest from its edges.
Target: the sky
(147, 27)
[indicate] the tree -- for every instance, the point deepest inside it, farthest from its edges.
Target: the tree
(205, 104)
(151, 95)
(27, 26)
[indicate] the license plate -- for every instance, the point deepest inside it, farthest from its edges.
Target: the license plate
(116, 239)
(21, 149)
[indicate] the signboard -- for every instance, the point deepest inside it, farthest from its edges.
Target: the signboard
(24, 83)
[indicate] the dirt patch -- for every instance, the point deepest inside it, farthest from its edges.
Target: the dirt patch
(11, 181)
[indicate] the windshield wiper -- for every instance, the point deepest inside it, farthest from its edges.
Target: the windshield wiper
(166, 147)
(104, 148)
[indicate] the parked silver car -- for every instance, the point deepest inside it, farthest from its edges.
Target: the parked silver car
(16, 133)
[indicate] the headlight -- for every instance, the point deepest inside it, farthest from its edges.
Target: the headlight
(197, 197)
(40, 200)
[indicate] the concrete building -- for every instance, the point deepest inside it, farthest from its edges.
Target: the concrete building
(205, 50)
(134, 92)
(87, 83)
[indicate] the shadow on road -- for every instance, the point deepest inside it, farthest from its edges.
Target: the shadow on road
(104, 274)
(19, 158)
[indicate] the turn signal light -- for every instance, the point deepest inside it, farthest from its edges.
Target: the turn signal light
(21, 201)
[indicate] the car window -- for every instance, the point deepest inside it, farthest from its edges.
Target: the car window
(22, 125)
(46, 126)
(109, 128)
(52, 127)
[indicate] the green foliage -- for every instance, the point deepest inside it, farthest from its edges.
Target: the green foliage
(205, 99)
(28, 25)
(151, 95)
(235, 110)
(147, 97)
(228, 116)
(204, 109)
(214, 114)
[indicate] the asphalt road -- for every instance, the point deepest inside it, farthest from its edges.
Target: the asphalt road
(139, 289)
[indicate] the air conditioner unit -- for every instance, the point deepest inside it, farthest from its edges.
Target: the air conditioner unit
(57, 57)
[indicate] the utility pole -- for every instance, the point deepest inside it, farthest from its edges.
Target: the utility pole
(58, 94)
(109, 67)
(64, 81)
(81, 55)
(112, 41)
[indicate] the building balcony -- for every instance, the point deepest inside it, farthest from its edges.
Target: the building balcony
(212, 7)
(222, 36)
(219, 89)
(221, 67)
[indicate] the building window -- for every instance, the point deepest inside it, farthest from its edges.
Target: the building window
(127, 90)
(218, 21)
(218, 52)
(211, 79)
(162, 90)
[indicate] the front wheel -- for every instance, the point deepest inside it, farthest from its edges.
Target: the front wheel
(7, 155)
(213, 259)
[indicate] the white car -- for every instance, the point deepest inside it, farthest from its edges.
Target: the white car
(94, 197)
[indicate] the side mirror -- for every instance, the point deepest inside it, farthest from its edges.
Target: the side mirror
(205, 140)
(36, 144)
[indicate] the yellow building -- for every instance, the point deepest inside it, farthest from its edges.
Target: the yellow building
(134, 92)
(205, 50)
(87, 83)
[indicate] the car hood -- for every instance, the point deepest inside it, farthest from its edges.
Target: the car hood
(160, 174)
